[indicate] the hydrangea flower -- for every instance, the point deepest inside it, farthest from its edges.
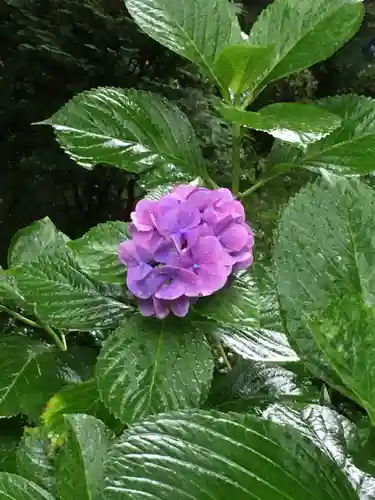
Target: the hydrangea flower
(184, 246)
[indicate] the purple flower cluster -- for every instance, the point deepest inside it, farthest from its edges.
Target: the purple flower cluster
(184, 246)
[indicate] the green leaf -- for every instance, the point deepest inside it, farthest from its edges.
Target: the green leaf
(165, 177)
(252, 384)
(211, 455)
(30, 242)
(96, 251)
(65, 297)
(28, 377)
(34, 461)
(14, 487)
(332, 433)
(348, 150)
(10, 436)
(247, 318)
(9, 292)
(240, 67)
(75, 398)
(79, 463)
(301, 124)
(130, 129)
(148, 366)
(326, 282)
(304, 32)
(198, 31)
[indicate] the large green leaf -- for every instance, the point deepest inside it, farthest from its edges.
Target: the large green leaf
(75, 398)
(296, 123)
(14, 487)
(30, 242)
(79, 463)
(96, 251)
(64, 296)
(10, 436)
(211, 455)
(304, 32)
(332, 433)
(349, 149)
(252, 385)
(247, 317)
(9, 292)
(197, 30)
(29, 375)
(34, 461)
(148, 366)
(130, 129)
(240, 67)
(325, 279)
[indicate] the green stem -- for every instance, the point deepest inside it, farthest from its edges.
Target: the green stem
(224, 355)
(59, 341)
(258, 185)
(206, 177)
(236, 157)
(19, 317)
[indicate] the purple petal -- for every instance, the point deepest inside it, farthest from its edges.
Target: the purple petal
(171, 291)
(212, 277)
(235, 237)
(180, 306)
(183, 191)
(127, 253)
(188, 216)
(142, 216)
(161, 308)
(207, 249)
(139, 272)
(166, 253)
(146, 307)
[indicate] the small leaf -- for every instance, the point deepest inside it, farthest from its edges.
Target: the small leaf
(349, 149)
(79, 462)
(304, 32)
(240, 67)
(300, 124)
(198, 31)
(250, 384)
(332, 433)
(26, 366)
(33, 460)
(96, 251)
(212, 455)
(65, 297)
(148, 366)
(14, 487)
(326, 283)
(248, 319)
(75, 398)
(130, 129)
(30, 242)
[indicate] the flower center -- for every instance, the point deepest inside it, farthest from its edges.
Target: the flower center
(195, 266)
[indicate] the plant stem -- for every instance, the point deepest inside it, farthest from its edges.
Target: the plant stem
(224, 355)
(258, 185)
(18, 316)
(59, 341)
(236, 157)
(206, 177)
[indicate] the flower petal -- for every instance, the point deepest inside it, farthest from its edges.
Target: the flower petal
(180, 306)
(161, 308)
(146, 307)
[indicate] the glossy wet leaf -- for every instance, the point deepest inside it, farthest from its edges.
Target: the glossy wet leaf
(26, 364)
(300, 124)
(212, 455)
(79, 462)
(96, 251)
(148, 366)
(247, 318)
(253, 384)
(35, 459)
(15, 487)
(304, 32)
(131, 129)
(198, 30)
(10, 436)
(64, 295)
(9, 292)
(30, 242)
(349, 149)
(164, 178)
(240, 67)
(325, 279)
(75, 398)
(332, 433)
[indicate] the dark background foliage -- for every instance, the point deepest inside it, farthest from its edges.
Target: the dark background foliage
(53, 49)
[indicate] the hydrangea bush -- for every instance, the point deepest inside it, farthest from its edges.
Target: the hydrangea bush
(162, 357)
